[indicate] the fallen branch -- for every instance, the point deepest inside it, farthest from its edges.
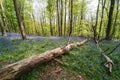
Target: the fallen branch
(109, 63)
(14, 70)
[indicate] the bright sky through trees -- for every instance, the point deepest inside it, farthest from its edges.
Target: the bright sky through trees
(39, 6)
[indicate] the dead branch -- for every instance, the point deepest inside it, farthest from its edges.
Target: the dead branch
(109, 63)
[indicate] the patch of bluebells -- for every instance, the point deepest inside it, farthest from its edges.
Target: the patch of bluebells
(93, 47)
(7, 45)
(5, 42)
(14, 36)
(4, 45)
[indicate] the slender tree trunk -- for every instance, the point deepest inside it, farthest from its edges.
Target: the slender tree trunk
(51, 30)
(3, 21)
(116, 17)
(71, 17)
(19, 18)
(41, 24)
(35, 26)
(82, 10)
(65, 17)
(21, 11)
(55, 25)
(58, 20)
(103, 7)
(68, 23)
(74, 25)
(61, 18)
(109, 25)
(96, 23)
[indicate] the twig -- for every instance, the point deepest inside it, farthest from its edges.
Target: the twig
(106, 50)
(58, 61)
(114, 49)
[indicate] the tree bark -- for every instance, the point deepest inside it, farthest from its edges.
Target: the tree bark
(2, 21)
(41, 24)
(35, 25)
(58, 17)
(14, 70)
(82, 15)
(103, 7)
(61, 21)
(109, 25)
(96, 23)
(19, 18)
(65, 13)
(116, 17)
(71, 17)
(51, 30)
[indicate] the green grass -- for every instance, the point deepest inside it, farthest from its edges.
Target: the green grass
(84, 61)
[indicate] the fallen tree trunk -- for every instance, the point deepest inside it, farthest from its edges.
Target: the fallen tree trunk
(14, 70)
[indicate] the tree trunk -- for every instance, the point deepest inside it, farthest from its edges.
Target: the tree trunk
(103, 7)
(2, 21)
(58, 20)
(51, 30)
(61, 21)
(19, 18)
(109, 25)
(41, 24)
(96, 23)
(82, 11)
(14, 70)
(65, 13)
(71, 17)
(116, 17)
(35, 25)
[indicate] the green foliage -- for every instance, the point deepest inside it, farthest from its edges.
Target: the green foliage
(81, 24)
(25, 11)
(11, 20)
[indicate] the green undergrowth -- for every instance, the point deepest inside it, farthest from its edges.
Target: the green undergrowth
(81, 62)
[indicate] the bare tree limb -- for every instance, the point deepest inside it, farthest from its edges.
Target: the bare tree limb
(109, 63)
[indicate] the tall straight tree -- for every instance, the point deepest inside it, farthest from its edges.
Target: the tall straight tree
(41, 23)
(65, 13)
(94, 27)
(61, 21)
(58, 20)
(109, 25)
(50, 9)
(71, 17)
(82, 15)
(103, 7)
(2, 21)
(19, 18)
(116, 17)
(59, 16)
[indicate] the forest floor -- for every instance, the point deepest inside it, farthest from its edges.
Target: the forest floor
(82, 63)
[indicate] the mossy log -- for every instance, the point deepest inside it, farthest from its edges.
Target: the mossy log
(14, 70)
